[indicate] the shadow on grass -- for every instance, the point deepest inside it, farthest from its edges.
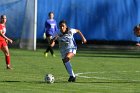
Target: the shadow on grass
(16, 81)
(109, 53)
(32, 82)
(96, 82)
(109, 56)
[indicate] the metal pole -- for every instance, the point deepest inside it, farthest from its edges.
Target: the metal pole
(35, 23)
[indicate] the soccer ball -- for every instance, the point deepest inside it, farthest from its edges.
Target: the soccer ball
(49, 78)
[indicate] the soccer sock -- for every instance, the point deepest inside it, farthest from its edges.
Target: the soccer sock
(48, 49)
(69, 68)
(51, 50)
(7, 58)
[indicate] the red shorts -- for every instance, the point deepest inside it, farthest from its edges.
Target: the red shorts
(3, 44)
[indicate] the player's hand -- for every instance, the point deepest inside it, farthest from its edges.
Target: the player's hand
(10, 40)
(84, 41)
(44, 36)
(6, 41)
(52, 43)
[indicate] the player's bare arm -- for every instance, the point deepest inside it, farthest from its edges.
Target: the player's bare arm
(6, 38)
(82, 36)
(53, 41)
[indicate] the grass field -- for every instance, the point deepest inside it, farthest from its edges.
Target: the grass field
(97, 70)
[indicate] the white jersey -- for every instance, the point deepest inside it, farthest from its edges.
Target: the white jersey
(66, 41)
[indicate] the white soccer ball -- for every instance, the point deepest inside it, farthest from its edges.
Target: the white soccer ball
(49, 78)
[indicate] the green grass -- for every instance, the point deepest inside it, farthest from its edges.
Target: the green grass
(102, 71)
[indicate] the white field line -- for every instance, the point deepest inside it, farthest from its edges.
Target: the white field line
(85, 75)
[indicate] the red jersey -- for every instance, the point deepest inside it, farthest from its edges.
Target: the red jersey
(3, 29)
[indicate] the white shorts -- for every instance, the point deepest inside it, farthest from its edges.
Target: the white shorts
(64, 52)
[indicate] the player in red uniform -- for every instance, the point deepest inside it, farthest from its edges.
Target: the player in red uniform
(4, 40)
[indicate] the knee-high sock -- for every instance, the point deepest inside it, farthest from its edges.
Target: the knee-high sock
(7, 58)
(51, 50)
(69, 68)
(48, 49)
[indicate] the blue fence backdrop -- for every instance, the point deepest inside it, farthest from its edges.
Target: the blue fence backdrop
(97, 19)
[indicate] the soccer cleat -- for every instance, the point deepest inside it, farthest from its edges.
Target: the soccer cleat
(46, 54)
(54, 55)
(72, 79)
(9, 67)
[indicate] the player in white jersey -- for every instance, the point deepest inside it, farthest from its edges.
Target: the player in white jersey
(67, 42)
(68, 46)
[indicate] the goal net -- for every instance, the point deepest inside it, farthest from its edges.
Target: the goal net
(21, 22)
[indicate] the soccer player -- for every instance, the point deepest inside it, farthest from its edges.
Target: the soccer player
(138, 41)
(4, 41)
(137, 33)
(50, 31)
(68, 46)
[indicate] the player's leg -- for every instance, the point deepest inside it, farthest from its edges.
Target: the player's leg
(68, 66)
(51, 45)
(49, 48)
(7, 56)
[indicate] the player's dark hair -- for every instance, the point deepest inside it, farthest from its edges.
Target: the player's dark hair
(50, 13)
(62, 22)
(136, 27)
(2, 16)
(136, 30)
